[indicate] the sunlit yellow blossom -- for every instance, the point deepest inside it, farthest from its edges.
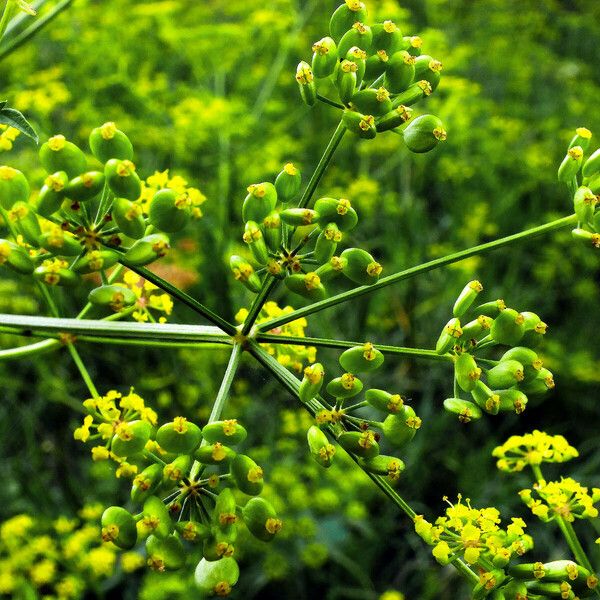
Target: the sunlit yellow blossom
(160, 179)
(7, 136)
(43, 572)
(16, 527)
(149, 297)
(131, 561)
(101, 561)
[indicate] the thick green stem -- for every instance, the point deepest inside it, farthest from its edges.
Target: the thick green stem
(292, 384)
(574, 544)
(423, 268)
(7, 14)
(334, 142)
(181, 296)
(222, 395)
(267, 287)
(326, 343)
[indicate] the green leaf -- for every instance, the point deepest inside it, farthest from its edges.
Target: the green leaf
(13, 118)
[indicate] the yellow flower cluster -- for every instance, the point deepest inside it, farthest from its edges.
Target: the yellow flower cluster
(160, 180)
(287, 355)
(532, 448)
(147, 299)
(472, 534)
(7, 136)
(109, 415)
(65, 557)
(566, 499)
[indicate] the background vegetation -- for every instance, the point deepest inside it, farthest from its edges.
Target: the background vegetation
(206, 89)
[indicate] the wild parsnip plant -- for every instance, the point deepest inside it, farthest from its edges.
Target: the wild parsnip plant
(197, 484)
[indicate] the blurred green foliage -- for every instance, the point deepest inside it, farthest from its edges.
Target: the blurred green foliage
(206, 89)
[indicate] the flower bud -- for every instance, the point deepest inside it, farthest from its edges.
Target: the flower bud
(288, 182)
(375, 65)
(218, 577)
(52, 194)
(85, 186)
(361, 359)
(320, 447)
(224, 513)
(308, 285)
(344, 17)
(260, 201)
(335, 211)
(384, 401)
(306, 83)
(312, 382)
(581, 138)
(118, 527)
(361, 443)
(360, 267)
(177, 469)
(535, 330)
(179, 437)
(165, 554)
(346, 386)
(261, 519)
(59, 241)
(148, 249)
(108, 142)
(571, 164)
(466, 371)
(169, 211)
(15, 257)
(115, 296)
(228, 432)
(400, 429)
(466, 411)
(424, 133)
(14, 187)
(58, 154)
(123, 179)
(247, 475)
(508, 327)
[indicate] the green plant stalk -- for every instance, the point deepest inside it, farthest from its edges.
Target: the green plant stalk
(7, 14)
(24, 36)
(181, 296)
(29, 350)
(327, 343)
(334, 142)
(222, 395)
(267, 287)
(333, 103)
(568, 532)
(422, 268)
(292, 384)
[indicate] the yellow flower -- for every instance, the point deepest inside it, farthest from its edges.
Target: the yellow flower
(42, 572)
(131, 561)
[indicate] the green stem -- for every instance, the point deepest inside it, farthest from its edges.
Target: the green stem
(423, 268)
(267, 287)
(7, 14)
(29, 350)
(20, 39)
(326, 100)
(574, 544)
(292, 384)
(82, 370)
(181, 296)
(222, 395)
(327, 343)
(334, 142)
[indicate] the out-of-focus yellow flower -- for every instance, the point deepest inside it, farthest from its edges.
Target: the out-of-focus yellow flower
(149, 297)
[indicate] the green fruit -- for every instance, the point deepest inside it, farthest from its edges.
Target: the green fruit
(527, 357)
(466, 371)
(146, 482)
(346, 79)
(415, 92)
(288, 182)
(86, 186)
(424, 133)
(169, 211)
(299, 217)
(165, 554)
(344, 17)
(219, 544)
(247, 475)
(55, 273)
(179, 437)
(384, 401)
(52, 194)
(571, 164)
(540, 384)
(372, 102)
(244, 273)
(466, 411)
(128, 216)
(412, 44)
(383, 465)
(428, 69)
(358, 35)
(584, 202)
(123, 179)
(386, 36)
(346, 386)
(335, 211)
(260, 201)
(312, 382)
(400, 429)
(325, 57)
(375, 65)
(450, 334)
(331, 269)
(320, 447)
(58, 154)
(192, 531)
(214, 454)
(261, 519)
(395, 118)
(218, 577)
(156, 517)
(485, 398)
(147, 249)
(508, 327)
(15, 257)
(327, 242)
(491, 309)
(14, 187)
(130, 438)
(360, 267)
(363, 444)
(466, 298)
(361, 125)
(254, 238)
(505, 374)
(592, 165)
(512, 400)
(118, 527)
(223, 515)
(177, 469)
(116, 297)
(535, 330)
(108, 142)
(228, 432)
(581, 138)
(306, 83)
(308, 285)
(272, 231)
(96, 260)
(361, 359)
(399, 72)
(26, 222)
